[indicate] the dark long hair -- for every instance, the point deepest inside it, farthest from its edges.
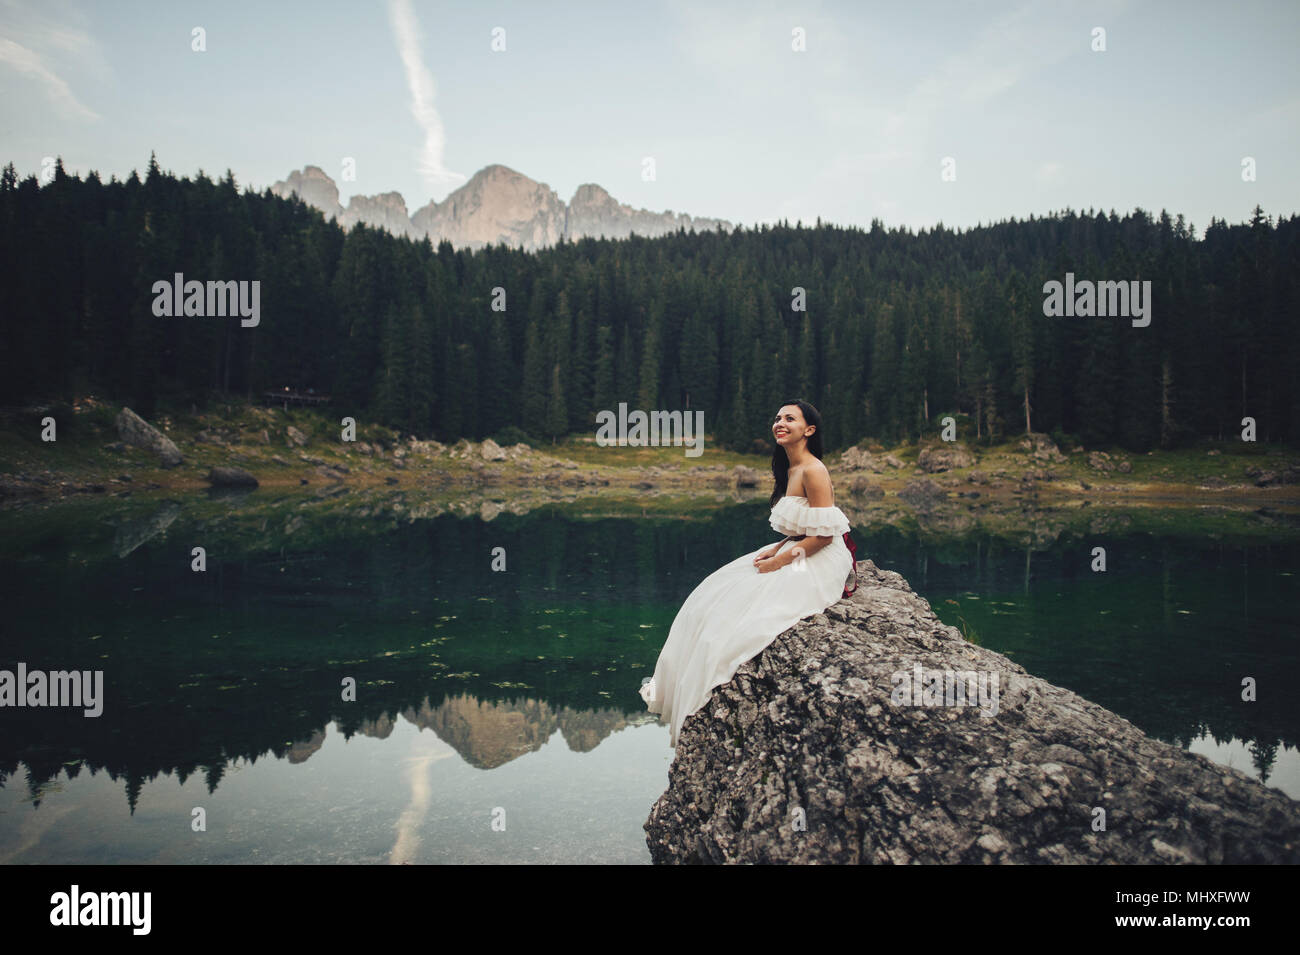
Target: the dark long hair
(781, 463)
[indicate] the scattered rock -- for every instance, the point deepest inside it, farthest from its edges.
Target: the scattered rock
(858, 459)
(922, 494)
(946, 457)
(745, 477)
(138, 433)
(861, 487)
(231, 477)
(1290, 475)
(491, 451)
(294, 437)
(1101, 461)
(1041, 448)
(16, 488)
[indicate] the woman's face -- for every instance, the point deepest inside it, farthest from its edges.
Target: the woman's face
(789, 428)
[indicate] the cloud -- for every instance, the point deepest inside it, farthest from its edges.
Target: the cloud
(1050, 173)
(24, 35)
(1010, 49)
(421, 85)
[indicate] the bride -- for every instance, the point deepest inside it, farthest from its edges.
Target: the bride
(743, 606)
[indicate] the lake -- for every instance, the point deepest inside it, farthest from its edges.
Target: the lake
(495, 716)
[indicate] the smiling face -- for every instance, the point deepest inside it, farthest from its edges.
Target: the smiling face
(790, 428)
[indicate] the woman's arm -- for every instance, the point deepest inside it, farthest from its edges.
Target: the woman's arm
(818, 485)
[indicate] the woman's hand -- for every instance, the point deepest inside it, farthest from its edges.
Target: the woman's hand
(776, 562)
(766, 553)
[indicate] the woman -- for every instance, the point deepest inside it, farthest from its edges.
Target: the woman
(743, 606)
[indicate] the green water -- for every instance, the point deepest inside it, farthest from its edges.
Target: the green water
(496, 717)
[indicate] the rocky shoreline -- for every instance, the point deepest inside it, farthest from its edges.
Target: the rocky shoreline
(263, 447)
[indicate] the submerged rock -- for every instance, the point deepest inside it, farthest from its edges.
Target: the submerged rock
(810, 754)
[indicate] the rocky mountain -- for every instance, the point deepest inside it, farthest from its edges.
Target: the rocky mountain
(386, 210)
(497, 205)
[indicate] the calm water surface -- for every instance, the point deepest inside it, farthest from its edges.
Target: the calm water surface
(496, 716)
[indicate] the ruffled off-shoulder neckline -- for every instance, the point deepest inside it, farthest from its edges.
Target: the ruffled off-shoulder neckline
(789, 516)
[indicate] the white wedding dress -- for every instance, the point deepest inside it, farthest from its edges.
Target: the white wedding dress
(736, 611)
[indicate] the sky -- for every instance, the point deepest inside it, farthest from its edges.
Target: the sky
(915, 113)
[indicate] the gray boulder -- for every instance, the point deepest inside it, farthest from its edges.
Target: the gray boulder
(231, 477)
(944, 458)
(805, 756)
(139, 433)
(491, 451)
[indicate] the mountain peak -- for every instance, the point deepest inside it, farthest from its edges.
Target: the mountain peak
(497, 205)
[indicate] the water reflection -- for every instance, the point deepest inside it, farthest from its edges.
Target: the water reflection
(515, 690)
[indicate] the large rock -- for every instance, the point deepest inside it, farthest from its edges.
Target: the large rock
(944, 458)
(810, 726)
(857, 459)
(139, 433)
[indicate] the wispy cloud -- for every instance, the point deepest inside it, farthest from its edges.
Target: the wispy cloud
(1009, 50)
(24, 38)
(421, 85)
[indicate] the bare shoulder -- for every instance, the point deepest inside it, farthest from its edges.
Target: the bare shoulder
(817, 485)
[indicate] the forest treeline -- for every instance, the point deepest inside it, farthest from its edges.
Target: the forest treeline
(900, 327)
